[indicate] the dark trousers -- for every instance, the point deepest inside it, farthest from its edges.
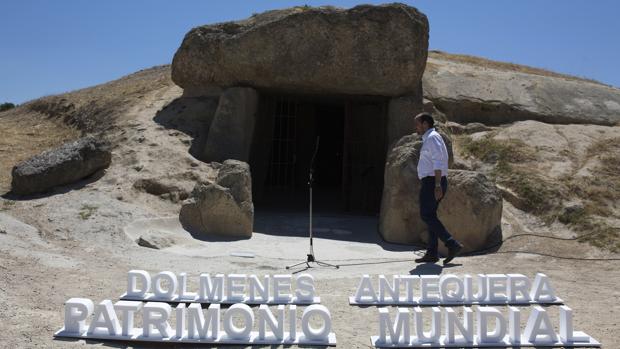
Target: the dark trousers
(428, 212)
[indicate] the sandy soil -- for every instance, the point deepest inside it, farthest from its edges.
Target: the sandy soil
(40, 269)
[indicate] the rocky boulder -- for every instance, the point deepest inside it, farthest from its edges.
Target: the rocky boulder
(224, 207)
(64, 165)
(471, 210)
(473, 127)
(374, 50)
(166, 188)
(156, 240)
(470, 89)
(236, 176)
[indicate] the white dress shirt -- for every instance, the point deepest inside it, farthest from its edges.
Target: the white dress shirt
(433, 155)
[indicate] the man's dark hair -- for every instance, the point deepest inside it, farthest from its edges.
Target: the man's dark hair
(426, 117)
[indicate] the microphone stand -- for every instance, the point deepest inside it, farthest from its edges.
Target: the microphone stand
(310, 256)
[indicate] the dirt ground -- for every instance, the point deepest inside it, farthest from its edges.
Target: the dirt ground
(39, 270)
(79, 246)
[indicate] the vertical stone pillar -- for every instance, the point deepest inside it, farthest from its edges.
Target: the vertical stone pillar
(401, 111)
(232, 129)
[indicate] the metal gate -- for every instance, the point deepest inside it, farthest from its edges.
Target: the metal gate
(283, 160)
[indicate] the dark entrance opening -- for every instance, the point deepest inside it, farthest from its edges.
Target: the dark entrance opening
(329, 131)
(349, 162)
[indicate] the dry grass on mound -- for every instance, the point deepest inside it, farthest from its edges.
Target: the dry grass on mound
(96, 108)
(25, 134)
(599, 192)
(48, 122)
(534, 190)
(544, 198)
(487, 63)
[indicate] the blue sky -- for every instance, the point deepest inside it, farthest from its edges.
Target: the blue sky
(51, 47)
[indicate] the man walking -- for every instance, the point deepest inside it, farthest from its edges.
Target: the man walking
(432, 171)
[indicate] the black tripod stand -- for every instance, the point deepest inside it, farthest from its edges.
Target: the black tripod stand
(310, 256)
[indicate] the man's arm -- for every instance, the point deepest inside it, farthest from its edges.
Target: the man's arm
(438, 191)
(438, 161)
(437, 157)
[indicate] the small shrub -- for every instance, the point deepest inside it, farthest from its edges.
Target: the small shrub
(6, 205)
(491, 150)
(86, 211)
(6, 106)
(574, 216)
(603, 187)
(595, 232)
(540, 196)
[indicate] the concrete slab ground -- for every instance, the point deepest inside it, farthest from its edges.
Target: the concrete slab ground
(284, 236)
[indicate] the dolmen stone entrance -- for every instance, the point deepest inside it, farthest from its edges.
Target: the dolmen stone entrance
(350, 77)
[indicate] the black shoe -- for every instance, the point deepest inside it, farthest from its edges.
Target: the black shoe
(453, 251)
(427, 258)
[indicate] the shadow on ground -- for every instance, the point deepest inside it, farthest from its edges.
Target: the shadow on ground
(431, 268)
(341, 227)
(61, 189)
(191, 116)
(162, 345)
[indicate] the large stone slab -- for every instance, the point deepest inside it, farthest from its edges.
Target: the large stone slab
(401, 113)
(232, 129)
(375, 50)
(492, 95)
(471, 210)
(64, 165)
